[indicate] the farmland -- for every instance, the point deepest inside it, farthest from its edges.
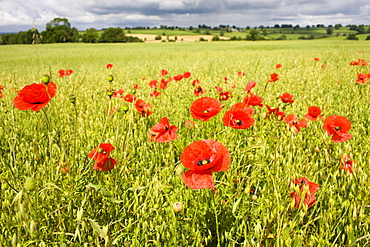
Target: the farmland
(52, 196)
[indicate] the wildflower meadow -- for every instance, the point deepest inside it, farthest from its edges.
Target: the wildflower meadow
(185, 144)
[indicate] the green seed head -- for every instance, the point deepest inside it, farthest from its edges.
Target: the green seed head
(45, 79)
(72, 98)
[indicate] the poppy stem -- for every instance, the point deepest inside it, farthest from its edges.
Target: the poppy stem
(216, 219)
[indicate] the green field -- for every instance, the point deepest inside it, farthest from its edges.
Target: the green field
(267, 33)
(45, 204)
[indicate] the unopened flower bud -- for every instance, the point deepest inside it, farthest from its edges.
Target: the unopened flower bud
(110, 93)
(178, 207)
(45, 79)
(110, 78)
(125, 108)
(72, 98)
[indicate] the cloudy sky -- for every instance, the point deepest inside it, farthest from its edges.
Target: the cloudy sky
(20, 15)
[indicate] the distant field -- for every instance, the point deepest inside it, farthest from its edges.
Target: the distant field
(262, 175)
(267, 33)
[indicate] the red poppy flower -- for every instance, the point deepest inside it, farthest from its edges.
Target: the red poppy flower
(109, 66)
(105, 165)
(346, 163)
(143, 108)
(164, 84)
(278, 66)
(136, 86)
(164, 72)
(292, 120)
(287, 98)
(130, 98)
(155, 93)
(178, 77)
(199, 91)
(338, 126)
(274, 77)
(186, 74)
(275, 112)
(225, 95)
(196, 81)
(240, 73)
(63, 73)
(313, 113)
(362, 78)
(34, 97)
(205, 108)
(190, 125)
(219, 89)
(1, 91)
(101, 152)
(239, 116)
(360, 62)
(253, 100)
(250, 85)
(316, 59)
(163, 131)
(153, 83)
(307, 191)
(118, 93)
(202, 158)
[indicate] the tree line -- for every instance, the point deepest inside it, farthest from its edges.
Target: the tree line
(59, 30)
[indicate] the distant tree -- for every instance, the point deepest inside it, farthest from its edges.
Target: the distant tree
(190, 28)
(277, 26)
(329, 31)
(112, 35)
(337, 26)
(59, 31)
(253, 35)
(368, 37)
(352, 36)
(216, 38)
(90, 36)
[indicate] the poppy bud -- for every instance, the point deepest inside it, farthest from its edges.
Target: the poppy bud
(133, 91)
(125, 108)
(110, 93)
(168, 156)
(72, 98)
(110, 78)
(178, 207)
(45, 79)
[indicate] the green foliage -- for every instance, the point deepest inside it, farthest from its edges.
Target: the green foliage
(42, 204)
(352, 36)
(90, 36)
(59, 30)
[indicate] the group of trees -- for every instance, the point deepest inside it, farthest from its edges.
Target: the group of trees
(59, 30)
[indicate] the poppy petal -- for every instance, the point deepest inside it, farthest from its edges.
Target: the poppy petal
(198, 180)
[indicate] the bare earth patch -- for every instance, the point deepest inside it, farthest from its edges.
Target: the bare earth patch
(150, 38)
